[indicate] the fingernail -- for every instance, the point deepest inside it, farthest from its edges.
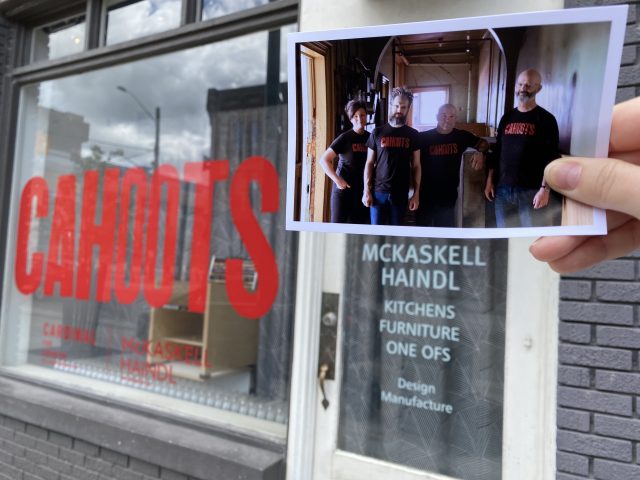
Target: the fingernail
(566, 175)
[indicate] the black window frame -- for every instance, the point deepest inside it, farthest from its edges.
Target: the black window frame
(37, 395)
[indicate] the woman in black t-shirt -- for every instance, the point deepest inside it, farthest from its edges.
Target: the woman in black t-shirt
(351, 150)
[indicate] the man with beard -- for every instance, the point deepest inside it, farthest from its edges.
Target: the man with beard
(441, 156)
(393, 163)
(527, 142)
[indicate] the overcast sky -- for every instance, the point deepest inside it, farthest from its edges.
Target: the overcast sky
(177, 83)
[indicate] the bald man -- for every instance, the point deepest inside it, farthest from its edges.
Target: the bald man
(527, 142)
(440, 155)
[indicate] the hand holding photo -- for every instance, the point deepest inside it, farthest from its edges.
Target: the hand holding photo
(448, 125)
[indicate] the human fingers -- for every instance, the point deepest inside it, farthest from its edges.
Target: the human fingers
(629, 157)
(536, 201)
(624, 126)
(489, 193)
(601, 182)
(594, 250)
(540, 201)
(549, 249)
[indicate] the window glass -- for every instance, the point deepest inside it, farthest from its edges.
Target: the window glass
(147, 241)
(423, 353)
(129, 20)
(218, 8)
(58, 40)
(426, 102)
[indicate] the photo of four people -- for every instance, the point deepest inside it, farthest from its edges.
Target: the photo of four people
(389, 163)
(443, 129)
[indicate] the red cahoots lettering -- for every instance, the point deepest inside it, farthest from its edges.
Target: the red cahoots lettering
(134, 184)
(359, 147)
(204, 175)
(520, 128)
(93, 234)
(35, 189)
(394, 142)
(257, 303)
(146, 232)
(166, 175)
(62, 240)
(443, 149)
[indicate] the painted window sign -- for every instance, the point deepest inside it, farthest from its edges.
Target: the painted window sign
(148, 250)
(57, 266)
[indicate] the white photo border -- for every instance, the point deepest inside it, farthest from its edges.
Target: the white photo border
(616, 15)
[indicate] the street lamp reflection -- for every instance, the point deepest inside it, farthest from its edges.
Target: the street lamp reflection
(154, 118)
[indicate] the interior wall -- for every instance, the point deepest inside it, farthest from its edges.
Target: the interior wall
(490, 98)
(571, 59)
(484, 90)
(456, 77)
(386, 62)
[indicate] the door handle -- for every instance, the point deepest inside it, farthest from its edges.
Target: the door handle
(328, 336)
(324, 369)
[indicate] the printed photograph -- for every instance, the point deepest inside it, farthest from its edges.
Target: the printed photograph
(444, 129)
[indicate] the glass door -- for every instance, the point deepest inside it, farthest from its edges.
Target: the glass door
(445, 360)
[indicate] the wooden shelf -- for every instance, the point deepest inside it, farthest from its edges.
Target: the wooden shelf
(223, 340)
(190, 340)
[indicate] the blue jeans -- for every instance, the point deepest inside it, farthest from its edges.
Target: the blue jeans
(512, 201)
(387, 210)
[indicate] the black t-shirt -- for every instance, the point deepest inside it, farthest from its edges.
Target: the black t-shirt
(351, 148)
(394, 147)
(527, 142)
(440, 156)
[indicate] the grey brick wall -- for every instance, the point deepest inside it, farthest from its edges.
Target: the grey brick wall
(599, 376)
(28, 452)
(629, 80)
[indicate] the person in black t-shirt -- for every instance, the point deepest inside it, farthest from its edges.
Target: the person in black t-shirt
(527, 142)
(351, 150)
(393, 163)
(441, 152)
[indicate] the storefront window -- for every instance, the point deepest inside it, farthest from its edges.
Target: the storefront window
(218, 8)
(147, 245)
(59, 39)
(129, 20)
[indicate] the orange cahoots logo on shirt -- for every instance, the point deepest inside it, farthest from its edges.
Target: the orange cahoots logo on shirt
(394, 142)
(443, 149)
(520, 128)
(359, 148)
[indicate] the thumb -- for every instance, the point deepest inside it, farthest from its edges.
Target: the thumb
(601, 182)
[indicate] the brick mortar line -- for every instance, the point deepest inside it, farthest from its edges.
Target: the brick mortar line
(633, 350)
(591, 418)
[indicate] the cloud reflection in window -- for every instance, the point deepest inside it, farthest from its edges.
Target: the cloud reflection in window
(178, 83)
(218, 8)
(141, 18)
